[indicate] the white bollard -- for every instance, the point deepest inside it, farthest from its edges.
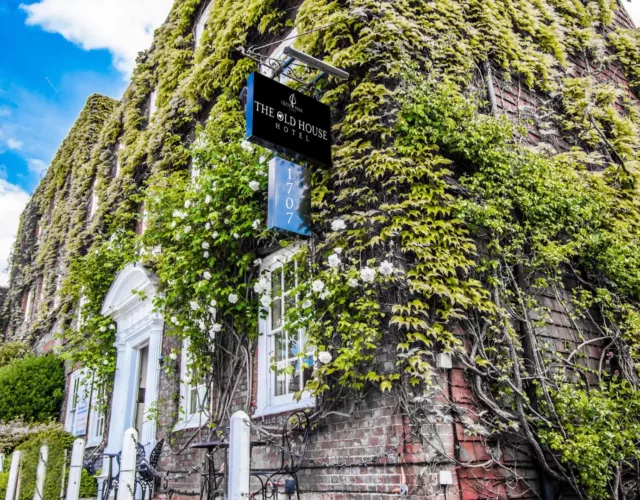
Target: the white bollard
(14, 476)
(127, 485)
(75, 470)
(239, 456)
(41, 472)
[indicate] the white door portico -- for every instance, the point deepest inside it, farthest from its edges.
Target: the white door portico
(138, 343)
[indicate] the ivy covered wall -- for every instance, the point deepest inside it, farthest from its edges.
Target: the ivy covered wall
(485, 152)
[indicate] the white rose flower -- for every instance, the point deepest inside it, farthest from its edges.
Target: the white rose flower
(254, 186)
(105, 362)
(262, 159)
(207, 226)
(173, 356)
(353, 283)
(214, 234)
(236, 236)
(207, 275)
(178, 214)
(325, 357)
(205, 245)
(205, 255)
(265, 300)
(207, 199)
(216, 327)
(246, 145)
(386, 268)
(103, 329)
(306, 304)
(256, 224)
(325, 295)
(317, 286)
(338, 250)
(112, 327)
(260, 286)
(194, 305)
(334, 260)
(187, 204)
(226, 221)
(338, 225)
(233, 298)
(213, 303)
(173, 225)
(187, 230)
(201, 325)
(367, 274)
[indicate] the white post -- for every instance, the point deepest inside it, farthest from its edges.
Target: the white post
(14, 476)
(126, 488)
(75, 470)
(239, 454)
(41, 472)
(1, 462)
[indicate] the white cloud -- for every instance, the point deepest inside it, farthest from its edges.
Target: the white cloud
(12, 202)
(123, 27)
(633, 8)
(37, 167)
(14, 143)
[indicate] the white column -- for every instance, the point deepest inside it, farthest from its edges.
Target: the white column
(239, 455)
(119, 401)
(41, 472)
(14, 476)
(126, 488)
(75, 470)
(148, 437)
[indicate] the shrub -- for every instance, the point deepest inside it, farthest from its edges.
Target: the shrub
(12, 350)
(58, 441)
(4, 479)
(31, 389)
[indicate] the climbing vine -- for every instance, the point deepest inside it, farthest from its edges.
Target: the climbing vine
(447, 210)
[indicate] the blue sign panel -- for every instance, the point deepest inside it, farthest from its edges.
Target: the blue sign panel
(289, 197)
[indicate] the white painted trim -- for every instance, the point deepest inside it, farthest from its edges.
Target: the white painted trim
(185, 420)
(267, 404)
(201, 24)
(138, 325)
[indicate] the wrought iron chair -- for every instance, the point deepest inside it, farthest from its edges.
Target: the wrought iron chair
(146, 472)
(295, 439)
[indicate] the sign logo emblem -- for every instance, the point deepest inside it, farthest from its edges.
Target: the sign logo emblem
(293, 100)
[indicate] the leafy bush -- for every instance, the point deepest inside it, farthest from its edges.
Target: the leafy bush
(12, 350)
(31, 388)
(4, 479)
(58, 441)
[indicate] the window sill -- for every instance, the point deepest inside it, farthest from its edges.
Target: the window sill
(194, 421)
(268, 411)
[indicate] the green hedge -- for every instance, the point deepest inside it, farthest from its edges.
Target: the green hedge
(58, 441)
(4, 479)
(12, 350)
(32, 388)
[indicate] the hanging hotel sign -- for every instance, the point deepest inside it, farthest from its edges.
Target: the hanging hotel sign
(289, 197)
(284, 120)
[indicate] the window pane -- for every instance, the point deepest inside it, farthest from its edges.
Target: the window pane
(280, 383)
(276, 283)
(294, 378)
(276, 314)
(289, 276)
(193, 400)
(280, 346)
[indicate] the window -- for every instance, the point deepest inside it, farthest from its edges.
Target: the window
(284, 365)
(97, 419)
(77, 404)
(202, 23)
(141, 225)
(277, 63)
(27, 303)
(93, 203)
(193, 394)
(80, 320)
(153, 103)
(120, 148)
(39, 292)
(38, 233)
(57, 299)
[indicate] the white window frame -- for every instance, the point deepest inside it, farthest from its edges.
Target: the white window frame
(153, 103)
(78, 380)
(119, 149)
(29, 307)
(97, 420)
(201, 24)
(267, 402)
(188, 419)
(93, 208)
(270, 67)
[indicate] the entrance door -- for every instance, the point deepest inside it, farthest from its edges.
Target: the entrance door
(141, 389)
